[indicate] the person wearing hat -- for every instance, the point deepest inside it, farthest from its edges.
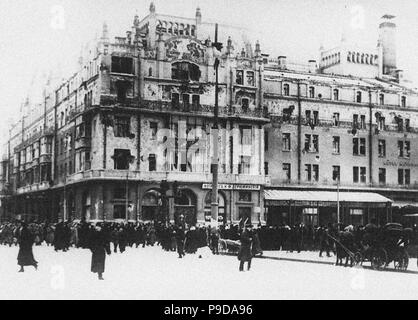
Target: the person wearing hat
(25, 255)
(245, 250)
(99, 246)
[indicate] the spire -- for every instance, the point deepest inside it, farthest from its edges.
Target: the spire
(105, 32)
(152, 8)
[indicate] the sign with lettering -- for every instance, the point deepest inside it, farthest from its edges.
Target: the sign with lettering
(399, 164)
(222, 186)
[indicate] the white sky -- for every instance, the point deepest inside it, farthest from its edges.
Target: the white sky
(34, 39)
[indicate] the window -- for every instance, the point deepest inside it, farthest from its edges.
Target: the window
(245, 102)
(363, 122)
(244, 196)
(287, 171)
(382, 176)
(246, 135)
(403, 101)
(404, 176)
(150, 72)
(185, 71)
(381, 123)
(186, 101)
(355, 121)
(286, 89)
(154, 130)
(244, 166)
(175, 100)
(359, 174)
(336, 173)
(119, 211)
(286, 142)
(358, 97)
(315, 118)
(382, 148)
(122, 127)
(335, 94)
(381, 99)
(404, 149)
(121, 159)
(239, 77)
(311, 143)
(196, 102)
(312, 172)
(152, 162)
(359, 146)
(122, 65)
(250, 78)
(336, 119)
(311, 92)
(336, 145)
(121, 90)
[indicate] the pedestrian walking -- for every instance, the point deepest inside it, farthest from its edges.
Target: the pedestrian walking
(25, 256)
(99, 246)
(245, 250)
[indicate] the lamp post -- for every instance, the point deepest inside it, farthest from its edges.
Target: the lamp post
(215, 158)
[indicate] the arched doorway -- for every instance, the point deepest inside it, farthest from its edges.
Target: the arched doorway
(151, 204)
(185, 204)
(221, 207)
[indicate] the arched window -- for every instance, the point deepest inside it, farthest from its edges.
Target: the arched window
(286, 89)
(349, 57)
(187, 30)
(358, 96)
(362, 58)
(311, 92)
(381, 99)
(353, 57)
(371, 59)
(150, 205)
(358, 58)
(170, 27)
(176, 28)
(185, 71)
(181, 29)
(150, 72)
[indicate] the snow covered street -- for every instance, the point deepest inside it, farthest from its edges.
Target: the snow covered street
(150, 273)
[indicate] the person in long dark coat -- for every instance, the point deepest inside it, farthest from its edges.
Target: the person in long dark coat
(99, 246)
(180, 237)
(25, 255)
(245, 250)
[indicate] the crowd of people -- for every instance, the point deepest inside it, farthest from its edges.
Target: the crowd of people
(107, 237)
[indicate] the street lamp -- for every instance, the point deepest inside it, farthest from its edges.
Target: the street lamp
(215, 160)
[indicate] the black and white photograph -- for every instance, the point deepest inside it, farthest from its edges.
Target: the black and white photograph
(224, 150)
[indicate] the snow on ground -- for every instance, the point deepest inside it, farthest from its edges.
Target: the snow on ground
(150, 273)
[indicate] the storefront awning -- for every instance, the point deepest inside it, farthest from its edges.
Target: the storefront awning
(321, 198)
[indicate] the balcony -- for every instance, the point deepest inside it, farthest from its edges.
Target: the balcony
(188, 177)
(34, 187)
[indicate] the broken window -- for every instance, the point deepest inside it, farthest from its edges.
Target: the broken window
(122, 158)
(185, 71)
(122, 127)
(122, 65)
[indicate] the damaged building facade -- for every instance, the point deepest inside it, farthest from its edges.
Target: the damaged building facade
(343, 131)
(129, 135)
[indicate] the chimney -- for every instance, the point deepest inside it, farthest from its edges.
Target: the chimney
(312, 66)
(387, 41)
(282, 62)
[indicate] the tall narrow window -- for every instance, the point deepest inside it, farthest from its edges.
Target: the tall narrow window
(381, 99)
(154, 130)
(362, 122)
(382, 176)
(336, 94)
(311, 92)
(404, 176)
(382, 148)
(121, 127)
(336, 173)
(286, 142)
(152, 162)
(403, 102)
(250, 78)
(336, 145)
(336, 119)
(239, 77)
(358, 97)
(287, 171)
(286, 89)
